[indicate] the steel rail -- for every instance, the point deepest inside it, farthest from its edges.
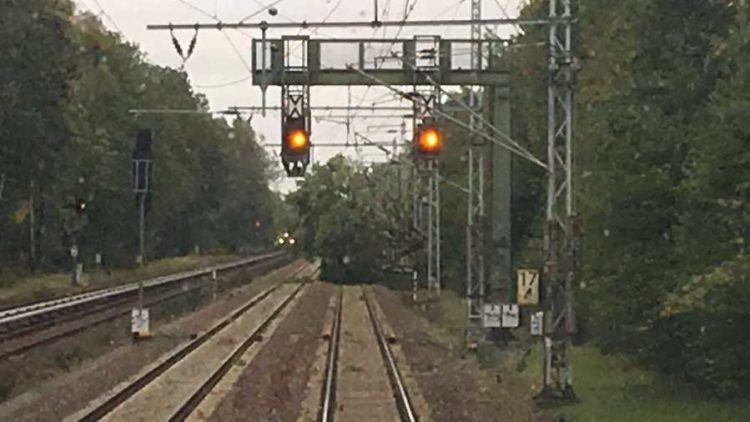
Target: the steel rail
(70, 323)
(13, 315)
(403, 401)
(205, 388)
(328, 401)
(179, 354)
(4, 354)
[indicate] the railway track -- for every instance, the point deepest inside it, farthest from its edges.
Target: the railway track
(330, 400)
(22, 328)
(328, 403)
(172, 388)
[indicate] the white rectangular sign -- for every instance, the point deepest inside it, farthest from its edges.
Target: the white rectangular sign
(511, 316)
(139, 322)
(492, 315)
(536, 323)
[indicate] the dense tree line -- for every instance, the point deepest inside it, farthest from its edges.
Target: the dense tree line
(662, 134)
(66, 85)
(349, 215)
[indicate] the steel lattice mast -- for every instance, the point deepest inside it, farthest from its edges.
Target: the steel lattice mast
(560, 237)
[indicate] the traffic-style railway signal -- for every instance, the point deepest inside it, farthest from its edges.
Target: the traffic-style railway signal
(428, 141)
(295, 146)
(296, 138)
(142, 168)
(295, 131)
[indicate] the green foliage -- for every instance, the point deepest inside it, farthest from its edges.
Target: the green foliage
(341, 215)
(66, 85)
(708, 314)
(661, 140)
(662, 168)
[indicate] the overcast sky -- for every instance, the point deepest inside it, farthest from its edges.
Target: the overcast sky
(215, 64)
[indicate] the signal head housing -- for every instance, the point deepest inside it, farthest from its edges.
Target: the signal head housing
(295, 146)
(428, 141)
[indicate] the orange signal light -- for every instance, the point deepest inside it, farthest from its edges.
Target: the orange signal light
(430, 140)
(297, 139)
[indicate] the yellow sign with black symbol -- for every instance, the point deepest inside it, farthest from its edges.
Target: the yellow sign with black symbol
(528, 287)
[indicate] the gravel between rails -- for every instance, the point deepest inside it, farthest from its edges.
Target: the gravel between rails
(162, 397)
(363, 390)
(274, 384)
(447, 382)
(419, 403)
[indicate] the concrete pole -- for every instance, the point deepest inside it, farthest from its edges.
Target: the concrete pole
(499, 248)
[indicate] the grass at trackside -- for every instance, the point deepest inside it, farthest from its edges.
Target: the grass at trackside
(15, 290)
(610, 387)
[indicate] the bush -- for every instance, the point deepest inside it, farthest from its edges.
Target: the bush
(709, 315)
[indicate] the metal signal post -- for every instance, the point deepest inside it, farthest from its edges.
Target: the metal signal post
(74, 222)
(142, 171)
(427, 145)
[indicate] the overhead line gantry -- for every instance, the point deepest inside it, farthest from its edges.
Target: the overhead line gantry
(561, 228)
